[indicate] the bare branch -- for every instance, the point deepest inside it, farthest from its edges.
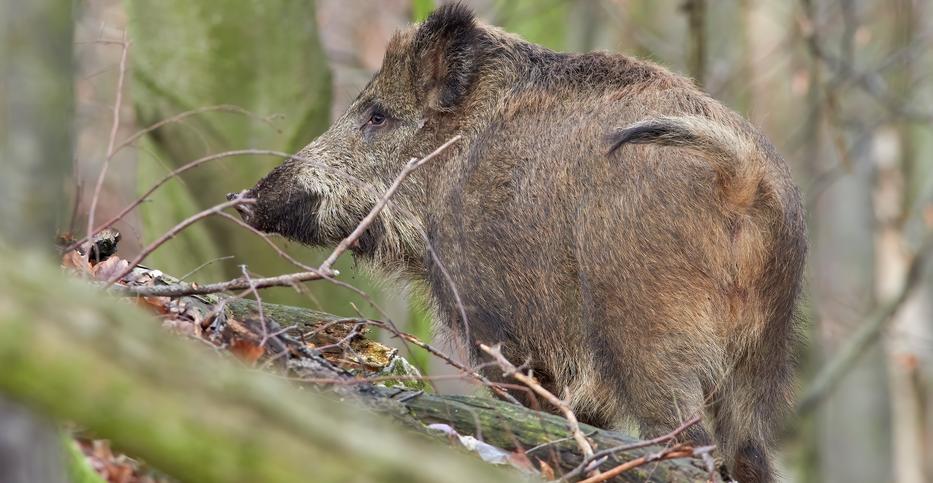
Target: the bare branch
(118, 102)
(179, 290)
(176, 230)
(209, 262)
(677, 451)
(185, 115)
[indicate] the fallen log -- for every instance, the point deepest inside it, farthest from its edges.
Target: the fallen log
(539, 436)
(74, 353)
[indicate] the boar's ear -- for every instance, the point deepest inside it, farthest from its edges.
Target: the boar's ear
(446, 54)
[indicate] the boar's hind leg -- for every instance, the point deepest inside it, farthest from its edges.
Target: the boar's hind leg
(746, 408)
(662, 398)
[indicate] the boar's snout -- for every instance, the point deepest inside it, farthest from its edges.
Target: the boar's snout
(245, 210)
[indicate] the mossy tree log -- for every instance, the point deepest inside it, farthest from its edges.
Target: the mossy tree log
(75, 354)
(107, 366)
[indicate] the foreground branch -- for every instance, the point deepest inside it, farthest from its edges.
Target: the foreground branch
(542, 437)
(182, 289)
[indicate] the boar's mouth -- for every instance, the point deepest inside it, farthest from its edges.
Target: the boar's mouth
(291, 216)
(245, 211)
(294, 217)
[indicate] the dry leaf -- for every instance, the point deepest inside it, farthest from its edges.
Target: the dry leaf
(546, 471)
(180, 326)
(519, 459)
(75, 261)
(109, 268)
(158, 305)
(247, 350)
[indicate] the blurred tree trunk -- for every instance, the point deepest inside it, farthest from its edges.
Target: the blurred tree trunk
(833, 449)
(264, 57)
(37, 103)
(696, 39)
(896, 160)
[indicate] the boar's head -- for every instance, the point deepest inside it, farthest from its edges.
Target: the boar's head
(421, 97)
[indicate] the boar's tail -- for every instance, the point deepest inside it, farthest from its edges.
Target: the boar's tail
(731, 152)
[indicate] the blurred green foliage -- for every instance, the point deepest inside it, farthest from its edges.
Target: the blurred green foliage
(420, 9)
(79, 468)
(540, 21)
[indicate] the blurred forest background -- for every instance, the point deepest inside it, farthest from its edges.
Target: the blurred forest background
(842, 87)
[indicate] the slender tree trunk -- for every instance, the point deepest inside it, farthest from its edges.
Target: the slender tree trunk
(896, 160)
(36, 102)
(696, 22)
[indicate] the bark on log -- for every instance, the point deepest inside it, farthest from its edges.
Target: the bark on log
(501, 424)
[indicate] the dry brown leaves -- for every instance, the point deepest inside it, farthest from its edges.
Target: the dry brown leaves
(115, 467)
(247, 350)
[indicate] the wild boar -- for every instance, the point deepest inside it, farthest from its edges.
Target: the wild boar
(638, 243)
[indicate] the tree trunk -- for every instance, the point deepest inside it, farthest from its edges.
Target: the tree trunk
(909, 332)
(37, 103)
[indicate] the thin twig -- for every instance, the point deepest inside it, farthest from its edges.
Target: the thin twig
(447, 359)
(464, 322)
(556, 441)
(632, 446)
(199, 267)
(115, 126)
(262, 316)
(340, 344)
(677, 451)
(511, 370)
(371, 216)
(281, 253)
(184, 115)
(175, 231)
(180, 290)
(213, 157)
(172, 174)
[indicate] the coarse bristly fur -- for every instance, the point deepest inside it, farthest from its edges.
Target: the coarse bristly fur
(637, 242)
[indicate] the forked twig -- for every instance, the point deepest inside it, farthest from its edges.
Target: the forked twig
(510, 370)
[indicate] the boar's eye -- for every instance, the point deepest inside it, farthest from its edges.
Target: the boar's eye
(376, 119)
(376, 122)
